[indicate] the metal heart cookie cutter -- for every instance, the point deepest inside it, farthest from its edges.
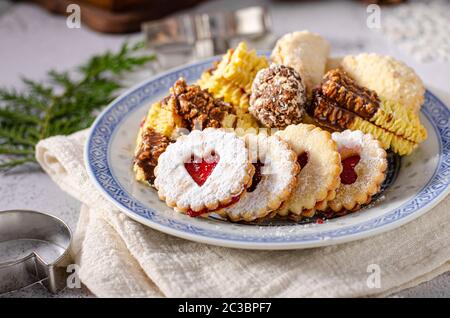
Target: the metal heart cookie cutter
(49, 239)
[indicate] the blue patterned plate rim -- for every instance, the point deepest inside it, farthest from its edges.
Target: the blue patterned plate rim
(97, 163)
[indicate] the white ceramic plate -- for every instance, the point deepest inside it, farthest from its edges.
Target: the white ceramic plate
(422, 180)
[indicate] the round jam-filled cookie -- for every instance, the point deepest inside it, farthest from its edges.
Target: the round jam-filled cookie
(320, 169)
(276, 169)
(203, 171)
(278, 96)
(364, 169)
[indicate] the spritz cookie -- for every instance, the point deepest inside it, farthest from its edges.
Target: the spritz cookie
(232, 78)
(203, 171)
(364, 169)
(276, 169)
(320, 169)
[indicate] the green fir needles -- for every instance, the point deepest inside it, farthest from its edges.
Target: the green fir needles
(62, 105)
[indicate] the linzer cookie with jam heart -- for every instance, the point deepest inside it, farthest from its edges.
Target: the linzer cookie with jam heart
(320, 168)
(203, 171)
(276, 169)
(364, 166)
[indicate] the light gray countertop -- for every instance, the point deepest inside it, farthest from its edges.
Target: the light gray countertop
(33, 41)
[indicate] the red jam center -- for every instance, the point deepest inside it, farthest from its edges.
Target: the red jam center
(256, 177)
(302, 159)
(348, 175)
(200, 171)
(194, 214)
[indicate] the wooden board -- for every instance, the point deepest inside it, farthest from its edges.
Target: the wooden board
(103, 16)
(118, 5)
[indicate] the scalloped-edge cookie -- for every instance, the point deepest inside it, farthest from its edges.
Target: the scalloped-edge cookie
(320, 169)
(203, 171)
(276, 169)
(364, 169)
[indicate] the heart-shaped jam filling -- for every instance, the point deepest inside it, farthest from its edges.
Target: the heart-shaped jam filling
(200, 171)
(257, 176)
(348, 174)
(302, 159)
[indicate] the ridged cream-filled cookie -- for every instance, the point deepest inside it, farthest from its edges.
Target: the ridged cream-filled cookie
(340, 103)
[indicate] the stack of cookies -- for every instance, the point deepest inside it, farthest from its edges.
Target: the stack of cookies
(294, 173)
(253, 140)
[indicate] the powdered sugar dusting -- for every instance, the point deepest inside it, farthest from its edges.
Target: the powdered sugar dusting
(321, 173)
(421, 28)
(304, 51)
(278, 177)
(349, 139)
(227, 179)
(370, 169)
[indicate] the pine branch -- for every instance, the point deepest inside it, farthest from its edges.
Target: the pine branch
(12, 163)
(18, 137)
(62, 104)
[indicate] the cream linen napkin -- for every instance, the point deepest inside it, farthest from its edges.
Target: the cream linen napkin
(120, 257)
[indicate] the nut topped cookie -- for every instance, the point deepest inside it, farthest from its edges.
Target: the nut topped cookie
(196, 108)
(276, 169)
(203, 171)
(278, 96)
(150, 146)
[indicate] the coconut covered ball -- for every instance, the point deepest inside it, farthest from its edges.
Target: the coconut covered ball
(278, 96)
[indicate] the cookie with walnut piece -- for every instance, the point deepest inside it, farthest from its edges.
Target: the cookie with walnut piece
(203, 171)
(276, 169)
(320, 169)
(364, 169)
